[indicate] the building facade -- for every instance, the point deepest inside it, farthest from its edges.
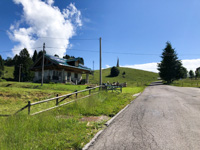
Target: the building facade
(60, 70)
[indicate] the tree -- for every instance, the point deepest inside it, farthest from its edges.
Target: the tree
(191, 74)
(1, 66)
(25, 61)
(170, 67)
(197, 74)
(40, 54)
(117, 62)
(35, 56)
(114, 72)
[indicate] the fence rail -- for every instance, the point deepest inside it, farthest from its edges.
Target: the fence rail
(57, 100)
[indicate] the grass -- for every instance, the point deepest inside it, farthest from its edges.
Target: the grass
(14, 95)
(8, 72)
(187, 83)
(133, 77)
(62, 127)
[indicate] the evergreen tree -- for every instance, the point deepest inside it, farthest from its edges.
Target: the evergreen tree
(25, 61)
(191, 73)
(1, 66)
(170, 67)
(117, 62)
(40, 54)
(35, 56)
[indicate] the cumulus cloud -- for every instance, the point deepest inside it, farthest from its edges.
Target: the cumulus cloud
(190, 64)
(40, 21)
(108, 66)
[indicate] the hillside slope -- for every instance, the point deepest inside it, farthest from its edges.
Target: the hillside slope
(132, 76)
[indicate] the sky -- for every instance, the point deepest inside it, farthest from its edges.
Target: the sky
(136, 31)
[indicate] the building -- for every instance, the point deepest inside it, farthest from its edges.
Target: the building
(60, 70)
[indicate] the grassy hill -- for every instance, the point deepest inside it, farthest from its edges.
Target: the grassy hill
(132, 76)
(8, 72)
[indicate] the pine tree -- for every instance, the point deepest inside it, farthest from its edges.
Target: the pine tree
(25, 61)
(117, 62)
(170, 67)
(1, 66)
(35, 56)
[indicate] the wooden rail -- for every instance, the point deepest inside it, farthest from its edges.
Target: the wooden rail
(57, 102)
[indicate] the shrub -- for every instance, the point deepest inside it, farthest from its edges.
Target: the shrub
(114, 72)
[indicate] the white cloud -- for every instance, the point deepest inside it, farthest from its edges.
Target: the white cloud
(108, 66)
(148, 66)
(42, 19)
(190, 64)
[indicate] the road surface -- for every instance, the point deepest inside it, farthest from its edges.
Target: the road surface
(161, 118)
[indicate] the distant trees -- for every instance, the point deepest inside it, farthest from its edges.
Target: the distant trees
(191, 74)
(1, 66)
(114, 72)
(23, 62)
(170, 68)
(197, 74)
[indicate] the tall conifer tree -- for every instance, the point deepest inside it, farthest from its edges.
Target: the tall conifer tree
(170, 67)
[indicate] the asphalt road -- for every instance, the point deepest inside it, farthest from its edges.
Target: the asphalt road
(161, 118)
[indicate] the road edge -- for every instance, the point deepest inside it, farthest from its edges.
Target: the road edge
(107, 124)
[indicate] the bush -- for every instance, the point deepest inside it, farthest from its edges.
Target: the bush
(114, 72)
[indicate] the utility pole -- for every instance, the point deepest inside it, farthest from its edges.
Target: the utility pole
(43, 64)
(100, 71)
(20, 71)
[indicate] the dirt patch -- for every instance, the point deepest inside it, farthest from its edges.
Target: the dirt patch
(94, 118)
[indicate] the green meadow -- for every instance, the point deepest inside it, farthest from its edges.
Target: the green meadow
(68, 127)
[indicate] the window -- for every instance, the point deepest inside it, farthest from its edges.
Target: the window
(76, 75)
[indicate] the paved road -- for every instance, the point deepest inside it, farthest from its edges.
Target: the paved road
(161, 118)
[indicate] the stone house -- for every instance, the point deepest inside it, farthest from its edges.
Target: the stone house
(60, 70)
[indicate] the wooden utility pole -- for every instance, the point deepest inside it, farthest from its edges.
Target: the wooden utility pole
(20, 71)
(43, 64)
(100, 71)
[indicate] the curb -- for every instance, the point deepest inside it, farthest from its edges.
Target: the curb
(111, 120)
(107, 124)
(92, 141)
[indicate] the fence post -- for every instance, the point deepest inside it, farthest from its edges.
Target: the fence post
(89, 92)
(137, 83)
(197, 84)
(76, 94)
(121, 88)
(57, 100)
(29, 107)
(182, 84)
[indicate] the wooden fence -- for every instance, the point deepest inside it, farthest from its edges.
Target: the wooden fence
(57, 99)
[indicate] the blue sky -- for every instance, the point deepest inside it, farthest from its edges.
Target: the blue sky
(135, 31)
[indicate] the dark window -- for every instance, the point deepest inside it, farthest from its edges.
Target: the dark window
(76, 75)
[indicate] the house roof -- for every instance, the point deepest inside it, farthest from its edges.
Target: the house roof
(64, 62)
